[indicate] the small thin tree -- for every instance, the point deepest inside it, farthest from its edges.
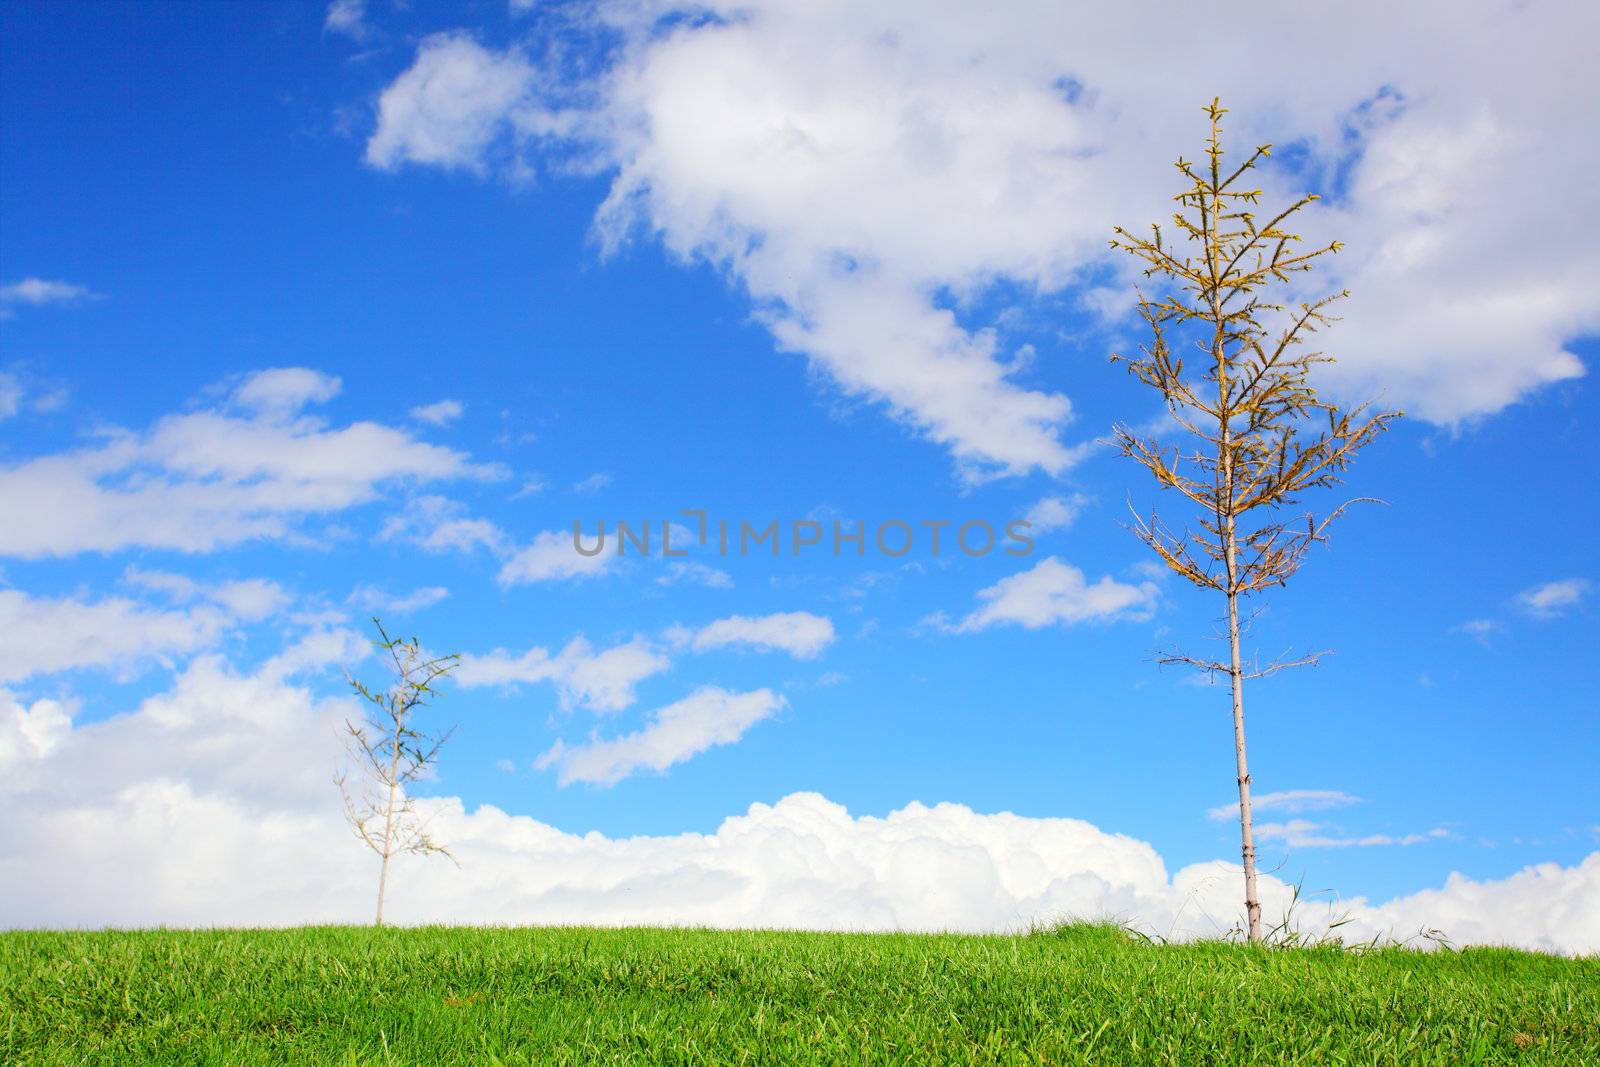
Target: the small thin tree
(390, 753)
(1257, 433)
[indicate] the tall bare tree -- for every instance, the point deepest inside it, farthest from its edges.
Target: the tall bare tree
(390, 753)
(1255, 433)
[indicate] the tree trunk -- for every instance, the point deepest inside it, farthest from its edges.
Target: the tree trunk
(1227, 514)
(1252, 905)
(388, 825)
(1225, 522)
(383, 878)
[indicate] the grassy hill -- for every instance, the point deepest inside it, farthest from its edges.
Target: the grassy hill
(1080, 994)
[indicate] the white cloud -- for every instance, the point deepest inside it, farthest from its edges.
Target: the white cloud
(1055, 513)
(250, 599)
(247, 600)
(869, 198)
(695, 574)
(317, 649)
(592, 484)
(39, 291)
(439, 413)
(1545, 906)
(10, 395)
(439, 524)
(551, 556)
(814, 185)
(600, 681)
(799, 633)
(371, 598)
(704, 719)
(1289, 801)
(211, 478)
(42, 396)
(448, 108)
(283, 391)
(47, 635)
(1553, 599)
(1299, 833)
(22, 389)
(177, 587)
(1480, 630)
(1053, 592)
(211, 805)
(463, 535)
(349, 18)
(216, 731)
(31, 732)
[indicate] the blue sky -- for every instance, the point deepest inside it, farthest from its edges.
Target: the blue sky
(554, 220)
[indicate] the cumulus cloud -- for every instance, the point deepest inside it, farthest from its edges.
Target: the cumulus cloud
(606, 681)
(39, 291)
(48, 635)
(252, 469)
(1052, 593)
(708, 717)
(347, 18)
(551, 556)
(283, 391)
(439, 524)
(1545, 906)
(247, 600)
(324, 645)
(210, 804)
(30, 732)
(250, 599)
(439, 413)
(1026, 135)
(799, 633)
(449, 107)
(371, 598)
(21, 389)
(600, 681)
(1055, 512)
(254, 745)
(1553, 599)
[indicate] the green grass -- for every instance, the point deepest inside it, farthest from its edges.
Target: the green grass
(1081, 994)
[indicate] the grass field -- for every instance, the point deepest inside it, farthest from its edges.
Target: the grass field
(549, 996)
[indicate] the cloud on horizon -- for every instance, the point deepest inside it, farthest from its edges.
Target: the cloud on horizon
(210, 804)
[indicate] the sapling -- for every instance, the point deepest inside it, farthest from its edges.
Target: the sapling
(1256, 433)
(390, 753)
